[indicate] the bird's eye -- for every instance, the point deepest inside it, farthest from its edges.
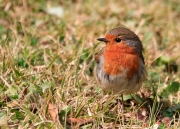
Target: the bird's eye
(118, 40)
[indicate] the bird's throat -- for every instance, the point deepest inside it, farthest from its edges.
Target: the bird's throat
(118, 60)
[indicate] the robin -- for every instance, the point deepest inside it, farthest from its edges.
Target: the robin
(120, 64)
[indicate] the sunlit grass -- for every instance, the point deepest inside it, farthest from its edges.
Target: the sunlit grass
(48, 59)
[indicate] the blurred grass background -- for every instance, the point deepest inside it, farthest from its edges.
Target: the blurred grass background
(46, 56)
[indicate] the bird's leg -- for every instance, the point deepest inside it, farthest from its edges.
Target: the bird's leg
(122, 103)
(122, 108)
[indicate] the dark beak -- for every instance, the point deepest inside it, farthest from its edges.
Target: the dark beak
(103, 40)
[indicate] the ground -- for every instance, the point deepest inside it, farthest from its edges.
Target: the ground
(47, 53)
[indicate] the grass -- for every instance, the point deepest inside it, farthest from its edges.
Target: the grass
(46, 59)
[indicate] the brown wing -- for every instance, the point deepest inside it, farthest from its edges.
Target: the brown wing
(97, 55)
(141, 56)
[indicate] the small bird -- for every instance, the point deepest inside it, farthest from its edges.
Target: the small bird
(120, 66)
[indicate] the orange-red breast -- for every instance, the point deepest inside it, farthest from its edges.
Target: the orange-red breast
(120, 64)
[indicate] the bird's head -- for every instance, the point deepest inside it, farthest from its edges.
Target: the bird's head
(119, 39)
